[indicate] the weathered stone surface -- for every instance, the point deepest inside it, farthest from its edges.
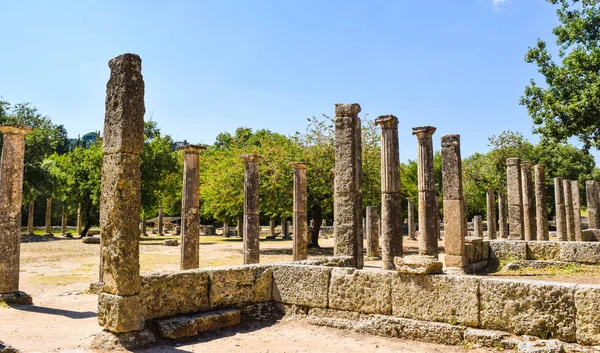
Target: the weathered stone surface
(444, 298)
(543, 309)
(561, 215)
(514, 197)
(171, 294)
(300, 249)
(188, 326)
(171, 242)
(529, 222)
(478, 226)
(372, 230)
(569, 212)
(587, 303)
(293, 310)
(428, 213)
(541, 203)
(120, 314)
(18, 298)
(177, 327)
(491, 214)
(301, 285)
(418, 264)
(333, 318)
(502, 216)
(591, 199)
(90, 240)
(590, 235)
(360, 291)
(240, 286)
(576, 209)
(543, 250)
(508, 250)
(6, 348)
(106, 341)
(262, 311)
(217, 320)
(391, 229)
(486, 338)
(454, 238)
(330, 261)
(476, 249)
(582, 252)
(251, 225)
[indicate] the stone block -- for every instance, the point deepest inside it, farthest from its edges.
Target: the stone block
(486, 338)
(587, 303)
(543, 250)
(171, 242)
(170, 294)
(189, 326)
(333, 318)
(418, 264)
(503, 249)
(542, 309)
(476, 249)
(240, 286)
(106, 341)
(16, 298)
(90, 240)
(360, 291)
(177, 327)
(454, 227)
(590, 235)
(301, 285)
(217, 320)
(120, 314)
(6, 348)
(444, 298)
(578, 251)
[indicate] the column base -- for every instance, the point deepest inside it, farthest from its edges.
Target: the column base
(418, 264)
(110, 341)
(18, 298)
(96, 287)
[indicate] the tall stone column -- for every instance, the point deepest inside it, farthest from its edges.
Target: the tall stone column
(300, 251)
(240, 226)
(491, 213)
(251, 217)
(226, 229)
(347, 227)
(529, 222)
(515, 198)
(570, 215)
(576, 209)
(119, 308)
(411, 219)
(591, 199)
(502, 219)
(372, 229)
(271, 227)
(11, 195)
(478, 226)
(425, 182)
(160, 221)
(49, 217)
(63, 222)
(79, 220)
(561, 216)
(30, 218)
(190, 208)
(391, 203)
(454, 209)
(541, 203)
(144, 225)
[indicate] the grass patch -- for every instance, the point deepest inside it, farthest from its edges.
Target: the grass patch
(61, 280)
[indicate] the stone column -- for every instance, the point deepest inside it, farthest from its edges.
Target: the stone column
(561, 216)
(529, 222)
(240, 226)
(226, 229)
(478, 226)
(160, 221)
(63, 222)
(491, 213)
(541, 203)
(372, 229)
(119, 308)
(425, 177)
(144, 225)
(79, 220)
(11, 195)
(515, 198)
(591, 198)
(49, 217)
(251, 217)
(411, 219)
(454, 210)
(300, 251)
(272, 227)
(570, 215)
(30, 218)
(347, 228)
(502, 219)
(391, 203)
(190, 208)
(576, 209)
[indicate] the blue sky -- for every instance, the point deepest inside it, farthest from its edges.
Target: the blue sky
(212, 66)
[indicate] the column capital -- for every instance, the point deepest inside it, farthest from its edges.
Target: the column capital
(15, 129)
(539, 167)
(513, 161)
(192, 149)
(248, 158)
(423, 131)
(351, 110)
(387, 121)
(526, 164)
(450, 140)
(299, 165)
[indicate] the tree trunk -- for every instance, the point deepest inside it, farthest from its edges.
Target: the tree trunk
(85, 229)
(317, 216)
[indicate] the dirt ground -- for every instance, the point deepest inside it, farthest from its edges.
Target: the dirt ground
(58, 271)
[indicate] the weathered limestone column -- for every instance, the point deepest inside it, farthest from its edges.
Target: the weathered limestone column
(454, 210)
(49, 217)
(30, 218)
(240, 226)
(491, 213)
(515, 198)
(190, 208)
(226, 229)
(478, 226)
(591, 199)
(79, 220)
(541, 203)
(300, 251)
(570, 215)
(576, 209)
(372, 229)
(119, 308)
(251, 217)
(11, 195)
(561, 216)
(347, 227)
(411, 219)
(63, 222)
(391, 203)
(160, 221)
(529, 222)
(143, 225)
(502, 219)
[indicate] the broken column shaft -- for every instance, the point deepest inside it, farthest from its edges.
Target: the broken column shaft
(541, 203)
(515, 198)
(190, 208)
(251, 224)
(570, 215)
(491, 213)
(300, 251)
(428, 236)
(561, 216)
(529, 223)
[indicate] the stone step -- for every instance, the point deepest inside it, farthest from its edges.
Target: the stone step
(191, 325)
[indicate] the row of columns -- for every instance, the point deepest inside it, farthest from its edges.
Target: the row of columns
(48, 224)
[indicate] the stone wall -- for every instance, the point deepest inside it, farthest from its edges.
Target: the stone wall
(380, 301)
(572, 251)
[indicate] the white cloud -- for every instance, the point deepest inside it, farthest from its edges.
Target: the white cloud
(498, 4)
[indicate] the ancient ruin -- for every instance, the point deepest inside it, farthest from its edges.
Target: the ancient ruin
(190, 208)
(300, 251)
(541, 203)
(515, 198)
(251, 227)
